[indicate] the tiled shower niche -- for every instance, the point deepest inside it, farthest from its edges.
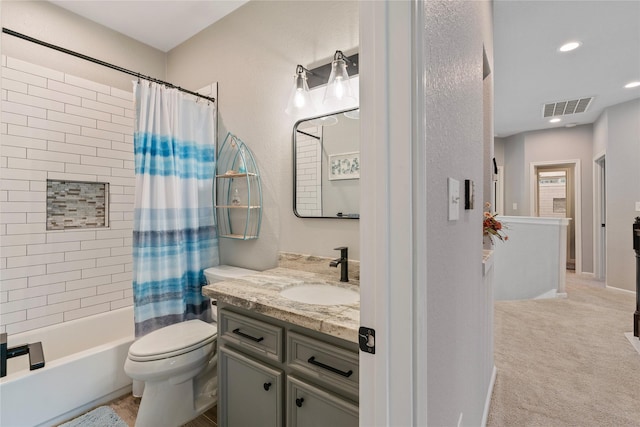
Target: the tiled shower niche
(77, 205)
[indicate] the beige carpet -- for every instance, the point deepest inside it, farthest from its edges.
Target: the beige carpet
(566, 362)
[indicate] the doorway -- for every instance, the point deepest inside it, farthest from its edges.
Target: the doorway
(555, 193)
(600, 217)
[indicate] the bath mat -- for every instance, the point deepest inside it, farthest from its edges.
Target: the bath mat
(102, 416)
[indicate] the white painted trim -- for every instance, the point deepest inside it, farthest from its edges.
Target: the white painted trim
(499, 208)
(620, 289)
(599, 260)
(577, 189)
(635, 342)
(487, 401)
(553, 293)
(534, 220)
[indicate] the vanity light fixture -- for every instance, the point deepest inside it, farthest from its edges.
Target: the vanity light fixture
(632, 85)
(300, 98)
(338, 86)
(554, 120)
(567, 47)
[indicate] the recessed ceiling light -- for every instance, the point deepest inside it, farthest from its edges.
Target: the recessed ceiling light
(569, 46)
(556, 120)
(632, 84)
(570, 125)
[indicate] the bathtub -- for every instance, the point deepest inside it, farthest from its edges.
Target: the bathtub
(84, 367)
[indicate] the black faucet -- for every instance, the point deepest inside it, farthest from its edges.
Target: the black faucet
(36, 356)
(343, 261)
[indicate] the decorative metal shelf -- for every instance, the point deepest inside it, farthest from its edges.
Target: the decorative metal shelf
(237, 177)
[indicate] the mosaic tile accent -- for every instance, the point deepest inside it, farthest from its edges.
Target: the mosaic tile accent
(74, 204)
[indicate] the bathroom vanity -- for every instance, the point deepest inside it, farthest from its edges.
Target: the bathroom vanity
(285, 362)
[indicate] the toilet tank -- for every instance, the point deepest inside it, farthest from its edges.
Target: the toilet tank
(221, 273)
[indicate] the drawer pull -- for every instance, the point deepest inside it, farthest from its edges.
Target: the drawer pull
(299, 402)
(313, 361)
(266, 386)
(242, 334)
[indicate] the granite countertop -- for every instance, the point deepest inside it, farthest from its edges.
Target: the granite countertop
(260, 293)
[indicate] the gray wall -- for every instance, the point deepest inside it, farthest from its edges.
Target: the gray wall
(551, 145)
(459, 318)
(253, 53)
(618, 131)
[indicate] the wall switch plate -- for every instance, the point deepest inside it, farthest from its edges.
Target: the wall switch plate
(453, 187)
(637, 206)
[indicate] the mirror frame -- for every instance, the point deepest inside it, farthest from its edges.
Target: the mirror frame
(295, 169)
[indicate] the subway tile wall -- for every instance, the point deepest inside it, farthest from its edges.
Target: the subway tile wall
(60, 127)
(309, 172)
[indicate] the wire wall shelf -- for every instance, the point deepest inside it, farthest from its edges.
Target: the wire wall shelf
(237, 191)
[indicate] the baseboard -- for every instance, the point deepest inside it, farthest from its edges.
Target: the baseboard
(487, 402)
(620, 289)
(553, 293)
(635, 342)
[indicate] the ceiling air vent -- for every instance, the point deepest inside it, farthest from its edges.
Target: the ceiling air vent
(563, 108)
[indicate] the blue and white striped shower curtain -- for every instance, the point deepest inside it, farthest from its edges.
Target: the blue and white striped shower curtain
(174, 235)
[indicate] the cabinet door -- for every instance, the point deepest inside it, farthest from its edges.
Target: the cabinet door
(250, 392)
(310, 406)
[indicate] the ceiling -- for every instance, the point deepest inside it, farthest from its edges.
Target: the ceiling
(528, 69)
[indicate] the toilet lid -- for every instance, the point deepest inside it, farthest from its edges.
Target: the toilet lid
(173, 340)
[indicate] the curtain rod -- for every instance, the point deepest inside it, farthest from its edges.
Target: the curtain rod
(100, 62)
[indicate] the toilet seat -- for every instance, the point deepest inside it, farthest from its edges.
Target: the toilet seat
(173, 340)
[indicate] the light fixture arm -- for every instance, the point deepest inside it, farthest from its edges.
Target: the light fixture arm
(341, 56)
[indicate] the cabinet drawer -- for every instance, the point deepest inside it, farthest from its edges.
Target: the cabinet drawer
(253, 336)
(308, 405)
(333, 365)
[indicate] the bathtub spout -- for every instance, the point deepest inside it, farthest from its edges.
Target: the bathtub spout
(36, 356)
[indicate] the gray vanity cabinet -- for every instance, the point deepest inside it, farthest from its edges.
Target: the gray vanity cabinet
(273, 373)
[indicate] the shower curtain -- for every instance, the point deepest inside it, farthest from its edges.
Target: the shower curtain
(174, 234)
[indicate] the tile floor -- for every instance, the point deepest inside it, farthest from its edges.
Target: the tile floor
(127, 408)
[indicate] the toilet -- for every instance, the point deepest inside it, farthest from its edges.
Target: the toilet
(177, 365)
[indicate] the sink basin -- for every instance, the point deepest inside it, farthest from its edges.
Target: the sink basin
(321, 295)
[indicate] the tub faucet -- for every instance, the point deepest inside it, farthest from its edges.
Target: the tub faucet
(36, 356)
(344, 263)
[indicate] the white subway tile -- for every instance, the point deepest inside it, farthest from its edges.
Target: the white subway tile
(116, 154)
(4, 297)
(30, 68)
(13, 184)
(53, 248)
(26, 228)
(90, 282)
(129, 139)
(71, 176)
(13, 85)
(48, 310)
(27, 196)
(116, 189)
(128, 241)
(87, 84)
(21, 76)
(26, 110)
(62, 147)
(114, 127)
(70, 236)
(54, 95)
(56, 298)
(113, 100)
(117, 180)
(101, 161)
(122, 146)
(60, 267)
(100, 299)
(10, 151)
(116, 216)
(104, 262)
(13, 118)
(103, 134)
(72, 90)
(23, 304)
(36, 165)
(128, 216)
(89, 141)
(29, 260)
(87, 311)
(101, 271)
(36, 134)
(130, 113)
(128, 267)
(126, 121)
(121, 207)
(33, 217)
(86, 254)
(40, 322)
(125, 302)
(3, 195)
(71, 119)
(119, 93)
(123, 225)
(24, 141)
(101, 106)
(123, 198)
(27, 239)
(23, 207)
(129, 166)
(37, 291)
(128, 293)
(112, 234)
(14, 251)
(87, 112)
(13, 284)
(53, 125)
(13, 218)
(12, 318)
(48, 279)
(86, 169)
(35, 101)
(131, 189)
(122, 277)
(113, 287)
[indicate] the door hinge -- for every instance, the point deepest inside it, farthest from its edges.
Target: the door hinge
(367, 339)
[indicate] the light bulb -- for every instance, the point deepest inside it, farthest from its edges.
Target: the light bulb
(338, 86)
(300, 98)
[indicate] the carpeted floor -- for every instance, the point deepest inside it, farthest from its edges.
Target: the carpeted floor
(566, 362)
